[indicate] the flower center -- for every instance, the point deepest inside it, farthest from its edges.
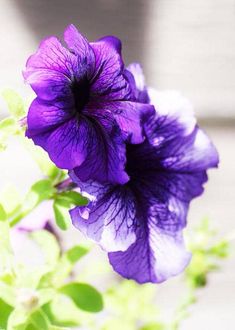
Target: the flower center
(81, 92)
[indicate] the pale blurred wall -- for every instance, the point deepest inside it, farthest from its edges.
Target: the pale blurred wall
(183, 44)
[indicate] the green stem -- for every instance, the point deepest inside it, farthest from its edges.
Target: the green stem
(61, 186)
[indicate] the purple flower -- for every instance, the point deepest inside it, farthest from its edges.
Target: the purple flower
(140, 223)
(84, 109)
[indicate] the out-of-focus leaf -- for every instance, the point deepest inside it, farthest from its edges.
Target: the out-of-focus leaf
(7, 294)
(76, 253)
(61, 210)
(62, 312)
(84, 296)
(15, 103)
(128, 293)
(6, 256)
(220, 250)
(49, 245)
(5, 311)
(11, 200)
(154, 326)
(64, 266)
(29, 278)
(45, 296)
(39, 191)
(3, 215)
(40, 320)
(43, 161)
(8, 127)
(73, 197)
(63, 203)
(18, 319)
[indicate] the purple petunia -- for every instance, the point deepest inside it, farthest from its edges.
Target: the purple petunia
(140, 223)
(84, 110)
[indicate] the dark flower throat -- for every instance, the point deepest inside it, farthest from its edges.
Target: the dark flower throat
(81, 92)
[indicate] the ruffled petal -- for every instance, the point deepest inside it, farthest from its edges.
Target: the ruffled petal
(136, 78)
(44, 116)
(49, 71)
(109, 218)
(67, 143)
(154, 257)
(109, 82)
(106, 155)
(179, 145)
(174, 109)
(80, 46)
(130, 117)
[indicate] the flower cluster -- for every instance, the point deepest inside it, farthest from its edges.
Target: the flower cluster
(137, 153)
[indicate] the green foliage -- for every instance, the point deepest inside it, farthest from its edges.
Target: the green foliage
(40, 191)
(9, 126)
(15, 103)
(5, 311)
(154, 326)
(3, 215)
(27, 301)
(206, 253)
(52, 297)
(84, 296)
(63, 203)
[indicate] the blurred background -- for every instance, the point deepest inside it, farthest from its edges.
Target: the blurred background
(183, 45)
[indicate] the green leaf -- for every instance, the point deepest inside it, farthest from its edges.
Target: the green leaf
(73, 198)
(61, 210)
(76, 253)
(7, 294)
(8, 127)
(3, 215)
(6, 255)
(40, 320)
(15, 103)
(43, 161)
(39, 191)
(45, 296)
(5, 311)
(64, 267)
(18, 319)
(49, 246)
(10, 199)
(154, 326)
(62, 312)
(84, 296)
(62, 204)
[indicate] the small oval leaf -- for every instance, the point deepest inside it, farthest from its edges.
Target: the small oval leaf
(84, 296)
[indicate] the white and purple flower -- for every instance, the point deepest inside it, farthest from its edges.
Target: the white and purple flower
(140, 223)
(139, 167)
(84, 109)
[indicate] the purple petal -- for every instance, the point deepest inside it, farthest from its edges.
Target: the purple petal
(174, 109)
(50, 70)
(129, 116)
(44, 116)
(154, 257)
(106, 156)
(179, 144)
(109, 82)
(137, 81)
(78, 44)
(66, 144)
(109, 219)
